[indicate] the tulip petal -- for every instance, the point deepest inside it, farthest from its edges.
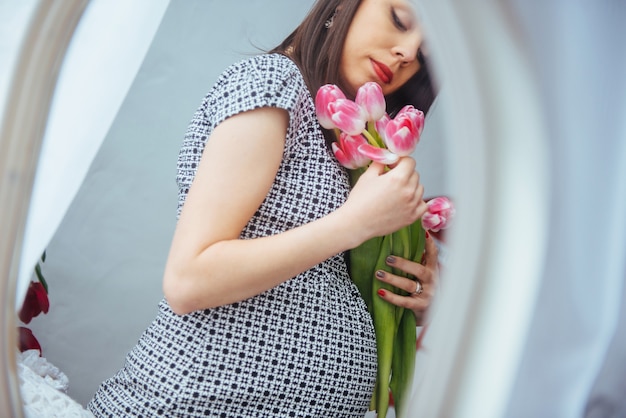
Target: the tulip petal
(400, 136)
(347, 152)
(380, 155)
(439, 204)
(343, 159)
(370, 97)
(403, 132)
(381, 124)
(326, 94)
(439, 214)
(416, 116)
(431, 222)
(347, 116)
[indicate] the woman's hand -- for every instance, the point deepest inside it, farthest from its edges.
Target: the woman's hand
(426, 274)
(383, 201)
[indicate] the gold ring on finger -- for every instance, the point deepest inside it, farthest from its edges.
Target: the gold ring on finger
(418, 288)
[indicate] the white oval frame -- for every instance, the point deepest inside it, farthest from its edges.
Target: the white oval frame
(498, 197)
(23, 123)
(499, 168)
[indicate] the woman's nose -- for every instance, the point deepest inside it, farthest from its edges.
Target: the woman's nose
(406, 49)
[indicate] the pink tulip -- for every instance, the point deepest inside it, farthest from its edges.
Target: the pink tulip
(346, 151)
(380, 155)
(402, 133)
(382, 123)
(347, 116)
(439, 214)
(370, 97)
(417, 116)
(328, 93)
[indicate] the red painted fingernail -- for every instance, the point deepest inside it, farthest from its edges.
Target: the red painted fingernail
(427, 235)
(381, 292)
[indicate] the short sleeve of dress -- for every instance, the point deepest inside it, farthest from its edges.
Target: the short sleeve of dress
(267, 80)
(263, 81)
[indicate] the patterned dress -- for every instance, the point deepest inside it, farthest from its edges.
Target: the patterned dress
(305, 348)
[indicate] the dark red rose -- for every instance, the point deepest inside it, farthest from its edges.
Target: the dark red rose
(36, 302)
(27, 340)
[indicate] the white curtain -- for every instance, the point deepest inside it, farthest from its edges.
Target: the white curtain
(579, 55)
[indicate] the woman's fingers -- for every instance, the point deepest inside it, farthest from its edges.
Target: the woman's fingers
(425, 273)
(408, 285)
(383, 201)
(421, 206)
(375, 169)
(415, 305)
(404, 162)
(422, 272)
(418, 304)
(431, 253)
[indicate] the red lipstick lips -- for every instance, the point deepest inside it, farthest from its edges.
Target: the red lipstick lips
(382, 71)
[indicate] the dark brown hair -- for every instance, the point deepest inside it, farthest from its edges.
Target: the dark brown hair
(419, 90)
(317, 50)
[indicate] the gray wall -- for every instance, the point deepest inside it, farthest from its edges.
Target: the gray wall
(105, 262)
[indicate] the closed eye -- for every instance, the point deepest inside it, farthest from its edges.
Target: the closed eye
(397, 21)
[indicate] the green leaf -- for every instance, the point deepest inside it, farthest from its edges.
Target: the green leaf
(363, 261)
(418, 241)
(403, 365)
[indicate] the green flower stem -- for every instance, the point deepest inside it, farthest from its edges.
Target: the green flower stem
(363, 268)
(401, 247)
(370, 138)
(394, 326)
(371, 129)
(418, 241)
(403, 362)
(385, 325)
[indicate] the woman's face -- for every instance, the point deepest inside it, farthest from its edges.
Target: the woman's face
(381, 45)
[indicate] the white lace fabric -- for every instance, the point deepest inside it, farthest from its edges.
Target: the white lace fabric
(43, 389)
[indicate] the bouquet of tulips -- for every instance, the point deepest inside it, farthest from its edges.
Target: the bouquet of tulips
(367, 133)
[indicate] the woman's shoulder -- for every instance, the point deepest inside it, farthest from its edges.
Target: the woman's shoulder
(258, 68)
(273, 61)
(266, 80)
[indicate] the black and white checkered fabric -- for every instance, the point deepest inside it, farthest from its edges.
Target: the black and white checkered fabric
(305, 348)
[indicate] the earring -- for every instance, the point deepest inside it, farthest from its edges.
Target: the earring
(329, 23)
